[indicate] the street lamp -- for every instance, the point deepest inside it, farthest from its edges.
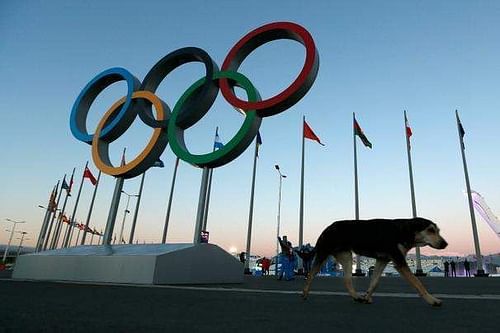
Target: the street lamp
(10, 238)
(278, 218)
(21, 242)
(125, 213)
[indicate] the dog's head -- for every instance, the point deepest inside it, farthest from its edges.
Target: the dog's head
(427, 233)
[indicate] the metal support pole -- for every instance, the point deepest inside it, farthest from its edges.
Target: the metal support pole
(113, 209)
(169, 206)
(201, 207)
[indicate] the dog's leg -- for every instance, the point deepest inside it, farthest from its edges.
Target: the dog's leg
(310, 277)
(408, 275)
(345, 259)
(377, 273)
(318, 262)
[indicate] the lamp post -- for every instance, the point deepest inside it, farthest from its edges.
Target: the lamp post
(10, 238)
(125, 213)
(21, 242)
(278, 218)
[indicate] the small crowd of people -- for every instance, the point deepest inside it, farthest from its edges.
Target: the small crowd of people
(287, 259)
(453, 265)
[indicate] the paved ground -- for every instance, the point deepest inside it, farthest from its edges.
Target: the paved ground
(258, 304)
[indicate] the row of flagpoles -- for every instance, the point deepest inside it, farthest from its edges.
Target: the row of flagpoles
(357, 131)
(53, 222)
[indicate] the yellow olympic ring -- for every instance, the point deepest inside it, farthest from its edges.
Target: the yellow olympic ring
(156, 145)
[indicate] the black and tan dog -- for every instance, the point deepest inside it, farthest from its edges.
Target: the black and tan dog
(382, 239)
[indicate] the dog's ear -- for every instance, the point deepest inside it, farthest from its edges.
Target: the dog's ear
(419, 224)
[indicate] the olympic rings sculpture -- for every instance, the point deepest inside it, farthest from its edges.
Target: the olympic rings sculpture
(168, 126)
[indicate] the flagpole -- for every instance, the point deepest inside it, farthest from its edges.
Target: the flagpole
(201, 206)
(301, 210)
(90, 209)
(139, 196)
(169, 206)
(113, 209)
(250, 214)
(419, 271)
(358, 271)
(69, 229)
(59, 224)
(77, 235)
(46, 242)
(479, 258)
(72, 227)
(45, 222)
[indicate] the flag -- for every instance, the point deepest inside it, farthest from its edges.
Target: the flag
(217, 142)
(309, 134)
(409, 133)
(122, 163)
(65, 185)
(461, 130)
(259, 142)
(359, 132)
(88, 174)
(158, 164)
(71, 182)
(52, 200)
(65, 219)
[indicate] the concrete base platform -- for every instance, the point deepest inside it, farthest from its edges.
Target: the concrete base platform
(137, 264)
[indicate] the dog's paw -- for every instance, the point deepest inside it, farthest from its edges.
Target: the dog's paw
(431, 300)
(367, 299)
(437, 303)
(359, 299)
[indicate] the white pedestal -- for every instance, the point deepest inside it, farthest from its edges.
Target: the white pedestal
(137, 264)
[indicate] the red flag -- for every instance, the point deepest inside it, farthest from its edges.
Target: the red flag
(309, 134)
(89, 175)
(408, 129)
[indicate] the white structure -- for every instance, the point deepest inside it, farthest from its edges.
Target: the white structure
(138, 264)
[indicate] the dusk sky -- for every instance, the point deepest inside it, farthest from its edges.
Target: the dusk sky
(376, 59)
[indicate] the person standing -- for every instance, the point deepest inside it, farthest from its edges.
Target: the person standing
(467, 268)
(266, 263)
(446, 268)
(306, 253)
(286, 259)
(453, 268)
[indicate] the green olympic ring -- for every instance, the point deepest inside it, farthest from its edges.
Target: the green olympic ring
(236, 146)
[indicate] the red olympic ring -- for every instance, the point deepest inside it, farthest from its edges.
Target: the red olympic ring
(258, 37)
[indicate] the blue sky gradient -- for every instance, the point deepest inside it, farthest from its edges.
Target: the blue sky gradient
(376, 59)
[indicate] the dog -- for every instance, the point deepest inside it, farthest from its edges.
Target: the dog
(383, 239)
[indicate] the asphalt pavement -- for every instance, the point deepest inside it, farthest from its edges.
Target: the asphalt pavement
(257, 305)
